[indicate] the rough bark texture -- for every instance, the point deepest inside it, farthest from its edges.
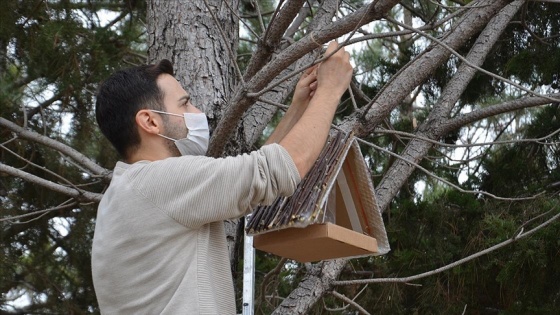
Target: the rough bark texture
(185, 32)
(508, 106)
(314, 285)
(271, 41)
(421, 67)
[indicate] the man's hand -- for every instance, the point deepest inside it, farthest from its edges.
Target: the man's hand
(305, 87)
(335, 73)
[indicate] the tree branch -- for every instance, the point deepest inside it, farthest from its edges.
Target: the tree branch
(515, 238)
(441, 179)
(316, 282)
(344, 298)
(415, 150)
(63, 206)
(526, 102)
(420, 68)
(78, 194)
(240, 102)
(272, 37)
(259, 115)
(408, 135)
(56, 145)
(470, 64)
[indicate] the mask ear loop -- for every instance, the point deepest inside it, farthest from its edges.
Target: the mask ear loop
(162, 112)
(166, 137)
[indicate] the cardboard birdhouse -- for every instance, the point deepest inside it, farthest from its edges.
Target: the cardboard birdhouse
(332, 214)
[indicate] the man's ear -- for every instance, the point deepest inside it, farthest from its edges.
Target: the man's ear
(149, 122)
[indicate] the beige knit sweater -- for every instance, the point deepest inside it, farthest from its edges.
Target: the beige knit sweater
(159, 245)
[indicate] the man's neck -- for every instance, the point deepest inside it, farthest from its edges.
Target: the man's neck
(150, 155)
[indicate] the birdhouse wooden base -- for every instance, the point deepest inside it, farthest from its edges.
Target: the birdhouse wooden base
(316, 242)
(332, 214)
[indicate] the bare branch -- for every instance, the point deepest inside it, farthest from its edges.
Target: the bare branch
(350, 302)
(509, 241)
(261, 21)
(415, 150)
(44, 169)
(78, 194)
(273, 273)
(56, 145)
(317, 282)
(234, 12)
(62, 206)
(501, 108)
(273, 35)
(33, 111)
(419, 69)
(443, 180)
(408, 135)
(261, 112)
(470, 64)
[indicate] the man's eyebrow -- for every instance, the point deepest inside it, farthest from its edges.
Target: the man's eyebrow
(184, 98)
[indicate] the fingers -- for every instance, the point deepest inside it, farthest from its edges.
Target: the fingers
(333, 45)
(312, 87)
(334, 72)
(308, 77)
(310, 70)
(340, 51)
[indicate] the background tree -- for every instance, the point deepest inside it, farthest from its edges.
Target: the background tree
(455, 103)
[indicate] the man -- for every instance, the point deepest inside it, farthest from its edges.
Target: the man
(159, 245)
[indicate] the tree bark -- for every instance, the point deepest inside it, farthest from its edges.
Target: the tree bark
(313, 286)
(186, 33)
(258, 116)
(420, 68)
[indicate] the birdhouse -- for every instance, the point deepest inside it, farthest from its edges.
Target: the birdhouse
(332, 214)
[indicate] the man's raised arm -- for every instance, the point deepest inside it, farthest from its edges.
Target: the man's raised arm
(305, 140)
(305, 89)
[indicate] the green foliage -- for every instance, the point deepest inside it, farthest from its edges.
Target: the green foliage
(445, 226)
(520, 279)
(52, 56)
(525, 168)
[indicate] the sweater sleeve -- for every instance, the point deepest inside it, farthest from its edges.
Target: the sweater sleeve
(195, 190)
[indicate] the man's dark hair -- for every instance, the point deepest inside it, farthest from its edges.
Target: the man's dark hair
(121, 96)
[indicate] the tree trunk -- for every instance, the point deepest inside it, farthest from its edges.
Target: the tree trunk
(312, 287)
(186, 33)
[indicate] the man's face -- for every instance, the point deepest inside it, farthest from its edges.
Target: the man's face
(176, 100)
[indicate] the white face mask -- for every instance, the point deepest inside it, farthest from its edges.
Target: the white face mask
(196, 142)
